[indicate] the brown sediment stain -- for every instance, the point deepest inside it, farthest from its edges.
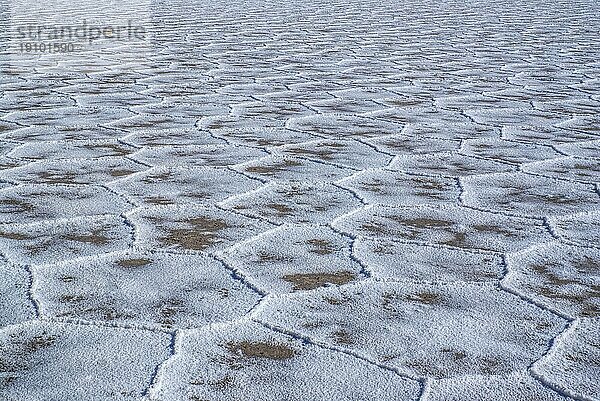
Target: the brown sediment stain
(16, 205)
(261, 350)
(342, 337)
(95, 237)
(267, 257)
(158, 200)
(56, 177)
(153, 178)
(425, 297)
(120, 172)
(282, 210)
(310, 281)
(201, 234)
(135, 262)
(321, 246)
(587, 297)
(273, 168)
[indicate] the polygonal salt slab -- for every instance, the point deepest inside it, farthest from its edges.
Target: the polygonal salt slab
(499, 117)
(572, 364)
(278, 167)
(183, 109)
(418, 115)
(177, 185)
(517, 386)
(198, 156)
(57, 150)
(446, 225)
(412, 262)
(544, 135)
(565, 278)
(451, 131)
(34, 202)
(37, 134)
(589, 149)
(162, 290)
(587, 124)
(263, 137)
(582, 170)
(448, 165)
(247, 361)
(193, 228)
(80, 171)
(396, 188)
(507, 151)
(413, 145)
(269, 110)
(16, 305)
(171, 137)
(526, 194)
(295, 202)
(445, 330)
(582, 228)
(57, 240)
(54, 361)
(345, 106)
(144, 122)
(296, 258)
(347, 153)
(342, 126)
(89, 117)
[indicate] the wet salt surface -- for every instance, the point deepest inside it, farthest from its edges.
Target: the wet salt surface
(301, 200)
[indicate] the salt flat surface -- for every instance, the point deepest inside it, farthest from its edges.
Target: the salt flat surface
(301, 200)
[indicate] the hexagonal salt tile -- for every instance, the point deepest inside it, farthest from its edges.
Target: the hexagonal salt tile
(56, 150)
(396, 188)
(563, 277)
(448, 165)
(269, 110)
(198, 156)
(163, 290)
(247, 361)
(193, 228)
(589, 149)
(517, 386)
(53, 241)
(295, 202)
(347, 153)
(294, 258)
(581, 228)
(144, 122)
(582, 170)
(413, 145)
(451, 131)
(445, 330)
(178, 185)
(263, 137)
(572, 364)
(507, 151)
(544, 135)
(35, 202)
(16, 305)
(278, 167)
(342, 126)
(37, 134)
(41, 360)
(89, 117)
(403, 261)
(80, 171)
(528, 195)
(446, 225)
(171, 137)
